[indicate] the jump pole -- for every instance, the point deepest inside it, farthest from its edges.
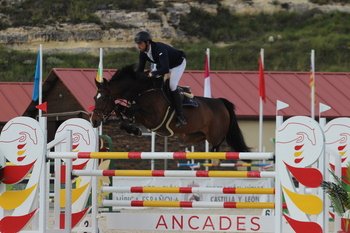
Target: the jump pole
(170, 173)
(161, 155)
(190, 204)
(110, 189)
(224, 165)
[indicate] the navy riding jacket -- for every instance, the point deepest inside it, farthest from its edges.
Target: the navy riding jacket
(165, 57)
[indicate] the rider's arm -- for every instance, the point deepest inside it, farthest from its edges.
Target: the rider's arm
(142, 62)
(163, 60)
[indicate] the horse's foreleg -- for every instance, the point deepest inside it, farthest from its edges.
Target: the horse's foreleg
(129, 126)
(134, 129)
(120, 119)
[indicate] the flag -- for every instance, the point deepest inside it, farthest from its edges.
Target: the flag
(261, 80)
(91, 108)
(207, 89)
(99, 76)
(281, 105)
(312, 81)
(35, 94)
(42, 107)
(324, 107)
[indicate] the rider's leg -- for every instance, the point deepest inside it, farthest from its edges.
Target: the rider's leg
(175, 76)
(177, 103)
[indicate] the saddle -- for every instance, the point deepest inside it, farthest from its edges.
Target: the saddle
(185, 92)
(187, 100)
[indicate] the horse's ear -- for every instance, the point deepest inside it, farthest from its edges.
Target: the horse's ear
(104, 84)
(97, 83)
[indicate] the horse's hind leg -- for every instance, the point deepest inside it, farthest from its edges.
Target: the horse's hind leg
(215, 162)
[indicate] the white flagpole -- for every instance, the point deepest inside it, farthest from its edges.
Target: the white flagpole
(100, 68)
(101, 63)
(313, 85)
(207, 90)
(43, 191)
(261, 108)
(40, 79)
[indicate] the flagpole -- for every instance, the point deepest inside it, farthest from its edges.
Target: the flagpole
(40, 79)
(207, 91)
(312, 84)
(261, 107)
(99, 78)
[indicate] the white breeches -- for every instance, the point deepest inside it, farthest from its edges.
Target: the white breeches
(176, 74)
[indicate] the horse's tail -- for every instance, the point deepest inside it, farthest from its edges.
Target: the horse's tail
(234, 136)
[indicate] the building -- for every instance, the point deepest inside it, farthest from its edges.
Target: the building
(69, 93)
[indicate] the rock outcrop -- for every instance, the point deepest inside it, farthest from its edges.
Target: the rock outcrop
(87, 38)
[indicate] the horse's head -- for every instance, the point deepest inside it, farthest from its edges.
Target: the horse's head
(104, 103)
(126, 84)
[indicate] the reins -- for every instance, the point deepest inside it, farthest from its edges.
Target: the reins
(154, 88)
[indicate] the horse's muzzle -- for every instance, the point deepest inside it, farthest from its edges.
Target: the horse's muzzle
(95, 122)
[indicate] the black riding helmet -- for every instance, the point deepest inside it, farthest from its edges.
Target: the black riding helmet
(142, 36)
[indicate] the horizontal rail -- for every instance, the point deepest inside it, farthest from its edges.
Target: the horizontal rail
(172, 173)
(111, 189)
(224, 165)
(161, 155)
(195, 204)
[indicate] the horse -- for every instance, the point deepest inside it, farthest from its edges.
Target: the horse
(145, 101)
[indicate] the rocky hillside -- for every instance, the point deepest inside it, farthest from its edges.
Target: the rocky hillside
(87, 38)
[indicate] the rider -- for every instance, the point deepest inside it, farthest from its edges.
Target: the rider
(167, 60)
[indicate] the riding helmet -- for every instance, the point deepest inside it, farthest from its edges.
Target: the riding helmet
(142, 36)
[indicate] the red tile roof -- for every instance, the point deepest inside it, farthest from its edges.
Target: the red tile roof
(240, 87)
(15, 98)
(80, 82)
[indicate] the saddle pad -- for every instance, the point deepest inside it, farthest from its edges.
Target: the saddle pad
(188, 97)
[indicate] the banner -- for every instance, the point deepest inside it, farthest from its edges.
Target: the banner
(194, 222)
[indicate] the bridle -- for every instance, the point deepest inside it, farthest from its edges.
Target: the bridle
(105, 115)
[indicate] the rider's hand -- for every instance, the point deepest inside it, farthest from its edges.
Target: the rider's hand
(142, 76)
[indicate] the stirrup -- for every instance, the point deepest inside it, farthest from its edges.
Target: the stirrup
(180, 122)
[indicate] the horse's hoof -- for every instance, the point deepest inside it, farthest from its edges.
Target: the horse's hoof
(138, 132)
(215, 162)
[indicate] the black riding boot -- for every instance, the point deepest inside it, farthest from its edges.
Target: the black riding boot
(177, 103)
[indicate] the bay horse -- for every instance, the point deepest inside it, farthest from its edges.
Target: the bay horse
(210, 119)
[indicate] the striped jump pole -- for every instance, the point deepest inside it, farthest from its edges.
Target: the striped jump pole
(224, 165)
(172, 173)
(190, 204)
(161, 155)
(110, 189)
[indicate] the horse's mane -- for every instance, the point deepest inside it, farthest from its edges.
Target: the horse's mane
(125, 71)
(128, 72)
